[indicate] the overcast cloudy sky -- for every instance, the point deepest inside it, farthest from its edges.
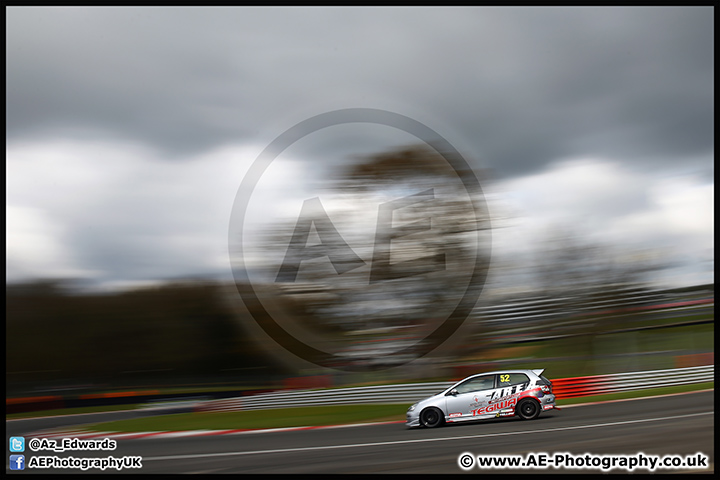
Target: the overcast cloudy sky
(129, 130)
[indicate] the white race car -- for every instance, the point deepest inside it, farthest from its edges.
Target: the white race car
(525, 393)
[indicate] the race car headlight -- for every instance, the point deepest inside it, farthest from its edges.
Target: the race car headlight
(412, 407)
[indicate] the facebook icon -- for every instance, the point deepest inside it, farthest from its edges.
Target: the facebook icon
(17, 462)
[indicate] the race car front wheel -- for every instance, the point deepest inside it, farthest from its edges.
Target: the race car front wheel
(431, 417)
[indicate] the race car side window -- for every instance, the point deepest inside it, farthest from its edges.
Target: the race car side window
(508, 379)
(477, 383)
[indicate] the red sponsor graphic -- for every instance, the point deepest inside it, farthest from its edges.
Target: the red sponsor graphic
(505, 402)
(495, 406)
(455, 415)
(530, 393)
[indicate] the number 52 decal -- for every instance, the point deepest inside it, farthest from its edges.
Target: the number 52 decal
(504, 378)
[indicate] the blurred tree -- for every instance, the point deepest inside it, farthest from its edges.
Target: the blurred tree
(568, 263)
(583, 275)
(174, 333)
(382, 257)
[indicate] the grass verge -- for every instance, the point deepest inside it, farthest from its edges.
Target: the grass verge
(258, 419)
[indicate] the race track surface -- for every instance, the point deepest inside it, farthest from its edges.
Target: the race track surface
(677, 425)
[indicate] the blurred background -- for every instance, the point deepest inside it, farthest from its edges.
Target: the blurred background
(129, 131)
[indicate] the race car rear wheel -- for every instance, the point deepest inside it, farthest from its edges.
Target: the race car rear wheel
(431, 417)
(528, 409)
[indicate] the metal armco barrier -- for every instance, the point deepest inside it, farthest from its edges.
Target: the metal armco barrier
(409, 393)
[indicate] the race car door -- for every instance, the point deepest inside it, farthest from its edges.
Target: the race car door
(467, 398)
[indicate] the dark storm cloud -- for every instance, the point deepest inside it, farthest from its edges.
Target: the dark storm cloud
(523, 87)
(629, 83)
